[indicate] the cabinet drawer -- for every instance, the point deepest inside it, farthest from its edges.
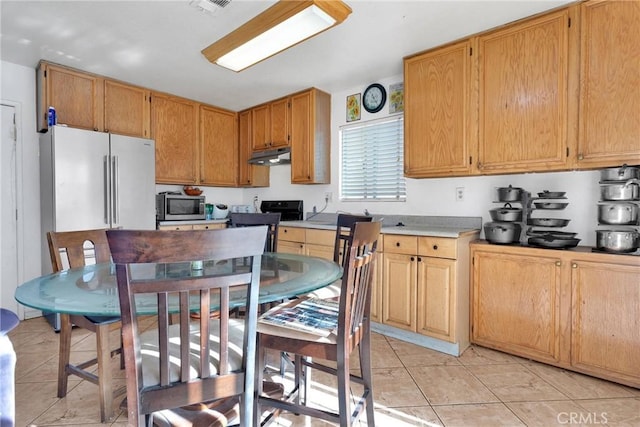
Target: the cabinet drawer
(400, 244)
(176, 227)
(208, 226)
(320, 237)
(438, 247)
(291, 234)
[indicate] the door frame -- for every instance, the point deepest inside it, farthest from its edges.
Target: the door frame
(20, 258)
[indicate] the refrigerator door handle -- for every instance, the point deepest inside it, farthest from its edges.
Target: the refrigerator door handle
(107, 204)
(114, 186)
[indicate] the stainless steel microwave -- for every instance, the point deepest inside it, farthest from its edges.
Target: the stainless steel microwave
(178, 207)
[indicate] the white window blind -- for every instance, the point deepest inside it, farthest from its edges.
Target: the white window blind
(372, 158)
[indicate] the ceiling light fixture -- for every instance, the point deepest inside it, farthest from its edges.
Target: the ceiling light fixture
(283, 25)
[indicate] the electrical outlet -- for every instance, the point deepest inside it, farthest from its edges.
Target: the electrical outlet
(328, 196)
(255, 199)
(459, 194)
(315, 210)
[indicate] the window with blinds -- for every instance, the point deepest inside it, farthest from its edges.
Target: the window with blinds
(371, 160)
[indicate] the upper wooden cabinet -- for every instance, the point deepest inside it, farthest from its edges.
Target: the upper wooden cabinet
(87, 101)
(270, 125)
(174, 124)
(127, 109)
(76, 96)
(439, 138)
(248, 175)
(311, 137)
(609, 132)
(523, 89)
(218, 147)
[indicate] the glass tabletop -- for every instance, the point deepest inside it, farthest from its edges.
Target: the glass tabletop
(92, 290)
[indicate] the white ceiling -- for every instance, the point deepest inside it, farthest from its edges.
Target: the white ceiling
(157, 44)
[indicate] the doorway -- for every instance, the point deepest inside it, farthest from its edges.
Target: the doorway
(9, 194)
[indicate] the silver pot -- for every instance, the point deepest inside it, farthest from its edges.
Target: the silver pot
(628, 190)
(502, 232)
(622, 173)
(509, 194)
(548, 222)
(618, 213)
(506, 213)
(618, 240)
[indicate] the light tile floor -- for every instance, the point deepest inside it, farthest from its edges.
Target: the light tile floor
(413, 386)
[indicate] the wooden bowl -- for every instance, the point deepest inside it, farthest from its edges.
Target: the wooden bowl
(192, 191)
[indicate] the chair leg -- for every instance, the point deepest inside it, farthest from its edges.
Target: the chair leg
(64, 354)
(105, 388)
(364, 349)
(344, 406)
(259, 376)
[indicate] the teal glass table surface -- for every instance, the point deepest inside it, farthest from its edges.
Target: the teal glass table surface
(92, 290)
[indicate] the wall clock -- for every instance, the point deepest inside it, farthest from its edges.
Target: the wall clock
(374, 98)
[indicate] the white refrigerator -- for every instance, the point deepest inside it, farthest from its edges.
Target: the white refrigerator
(91, 180)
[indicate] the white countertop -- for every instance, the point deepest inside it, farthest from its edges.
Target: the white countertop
(410, 230)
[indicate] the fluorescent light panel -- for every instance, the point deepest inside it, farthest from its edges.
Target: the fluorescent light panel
(285, 24)
(305, 24)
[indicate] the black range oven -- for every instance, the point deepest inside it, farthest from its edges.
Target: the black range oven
(290, 210)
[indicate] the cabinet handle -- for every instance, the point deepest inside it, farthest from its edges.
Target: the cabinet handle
(397, 244)
(574, 265)
(285, 230)
(95, 129)
(106, 131)
(558, 263)
(580, 156)
(419, 259)
(412, 259)
(435, 247)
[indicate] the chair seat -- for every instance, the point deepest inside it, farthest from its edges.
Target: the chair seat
(331, 291)
(149, 349)
(102, 320)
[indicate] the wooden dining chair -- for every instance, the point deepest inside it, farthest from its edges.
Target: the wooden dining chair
(186, 363)
(272, 220)
(346, 329)
(72, 249)
(342, 242)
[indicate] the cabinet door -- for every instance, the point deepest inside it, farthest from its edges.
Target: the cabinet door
(76, 96)
(310, 137)
(260, 127)
(399, 291)
(523, 96)
(279, 123)
(515, 304)
(215, 226)
(174, 124)
(376, 290)
(609, 131)
(248, 175)
(436, 294)
(126, 109)
(178, 227)
(605, 332)
(437, 137)
(218, 147)
(291, 247)
(320, 251)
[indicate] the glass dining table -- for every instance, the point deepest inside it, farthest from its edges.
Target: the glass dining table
(92, 290)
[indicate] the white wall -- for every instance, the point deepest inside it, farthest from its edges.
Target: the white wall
(18, 86)
(436, 196)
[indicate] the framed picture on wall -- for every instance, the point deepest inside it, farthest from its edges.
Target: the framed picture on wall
(396, 98)
(353, 107)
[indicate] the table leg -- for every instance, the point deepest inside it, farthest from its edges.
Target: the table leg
(64, 353)
(105, 385)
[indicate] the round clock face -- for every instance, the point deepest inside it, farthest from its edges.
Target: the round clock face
(374, 98)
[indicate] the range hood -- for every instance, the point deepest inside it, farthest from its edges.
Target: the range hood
(275, 157)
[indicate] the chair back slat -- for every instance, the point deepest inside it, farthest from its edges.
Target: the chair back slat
(344, 235)
(271, 219)
(197, 376)
(355, 294)
(73, 243)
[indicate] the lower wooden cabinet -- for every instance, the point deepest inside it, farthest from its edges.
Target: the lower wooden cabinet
(215, 226)
(425, 287)
(575, 309)
(291, 240)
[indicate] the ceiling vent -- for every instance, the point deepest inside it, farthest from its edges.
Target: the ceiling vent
(209, 6)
